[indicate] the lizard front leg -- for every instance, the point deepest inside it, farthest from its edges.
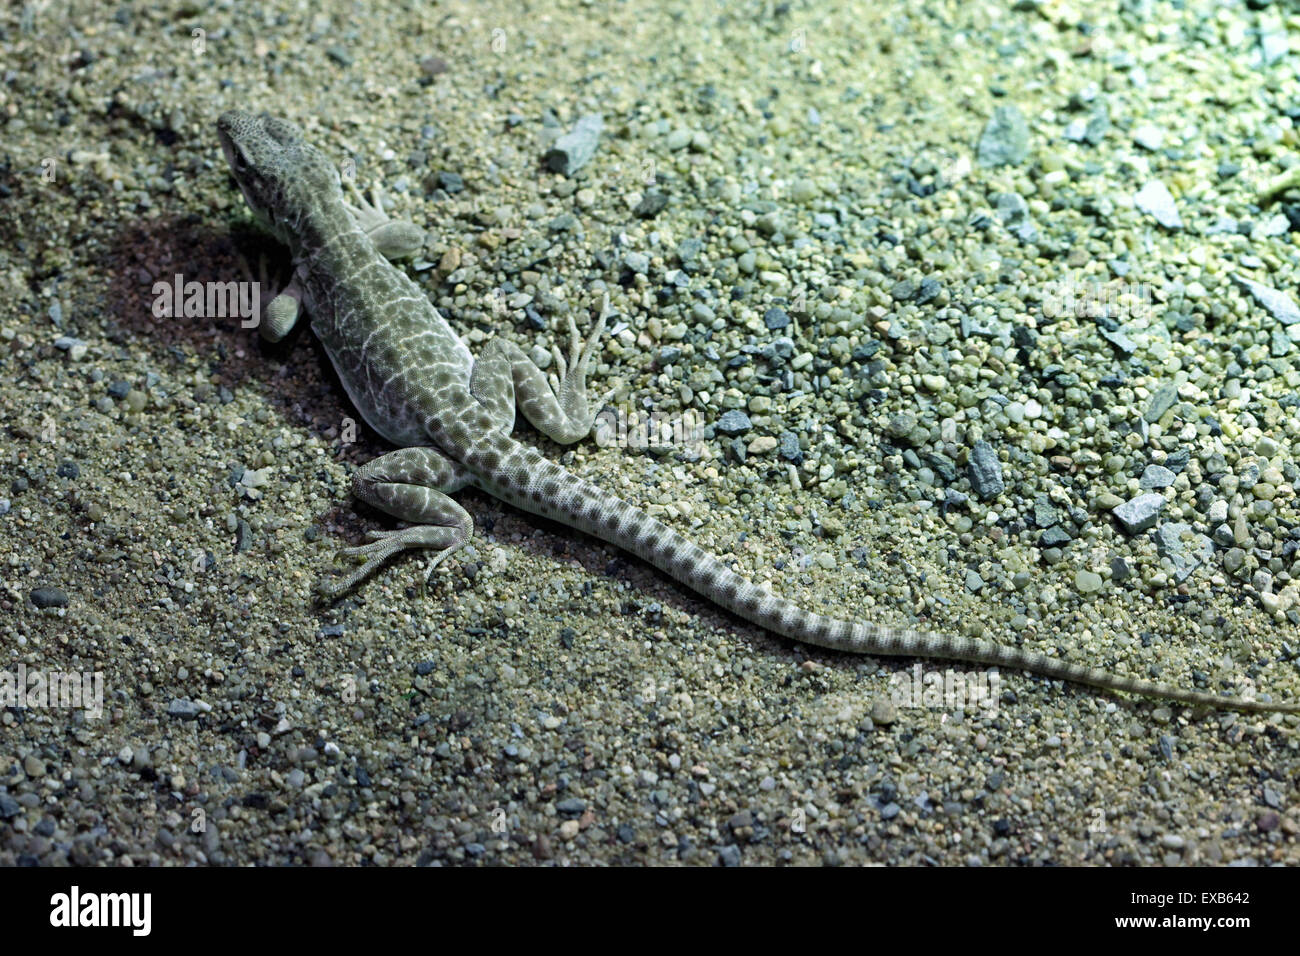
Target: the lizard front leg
(279, 312)
(411, 484)
(504, 376)
(394, 238)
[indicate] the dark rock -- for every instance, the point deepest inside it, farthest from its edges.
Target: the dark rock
(49, 597)
(734, 422)
(985, 471)
(571, 807)
(776, 318)
(651, 204)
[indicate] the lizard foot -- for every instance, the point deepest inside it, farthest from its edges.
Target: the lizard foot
(277, 311)
(570, 381)
(384, 544)
(394, 238)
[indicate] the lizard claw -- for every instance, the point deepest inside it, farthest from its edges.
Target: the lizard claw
(264, 279)
(368, 212)
(561, 373)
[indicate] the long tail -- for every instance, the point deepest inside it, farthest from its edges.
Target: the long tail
(534, 483)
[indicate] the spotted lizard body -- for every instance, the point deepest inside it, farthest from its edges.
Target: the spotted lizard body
(417, 384)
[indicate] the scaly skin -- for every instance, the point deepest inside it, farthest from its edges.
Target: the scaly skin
(416, 383)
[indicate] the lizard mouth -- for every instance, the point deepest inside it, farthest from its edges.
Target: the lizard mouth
(238, 168)
(227, 147)
(234, 158)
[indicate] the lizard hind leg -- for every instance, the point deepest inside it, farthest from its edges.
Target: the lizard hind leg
(504, 376)
(411, 484)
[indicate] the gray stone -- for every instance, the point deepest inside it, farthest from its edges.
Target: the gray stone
(688, 250)
(1054, 537)
(9, 807)
(1156, 476)
(49, 597)
(651, 204)
(184, 709)
(1122, 342)
(789, 448)
(1045, 513)
(775, 318)
(884, 711)
(1139, 514)
(1161, 401)
(1156, 201)
(900, 424)
(1005, 140)
(1185, 549)
(572, 150)
(1098, 125)
(1013, 212)
(571, 807)
(1279, 304)
(1011, 208)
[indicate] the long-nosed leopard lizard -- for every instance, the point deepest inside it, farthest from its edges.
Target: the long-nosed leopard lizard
(416, 383)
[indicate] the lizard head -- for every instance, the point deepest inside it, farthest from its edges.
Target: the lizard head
(282, 176)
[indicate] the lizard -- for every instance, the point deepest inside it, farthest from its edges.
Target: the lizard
(452, 416)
